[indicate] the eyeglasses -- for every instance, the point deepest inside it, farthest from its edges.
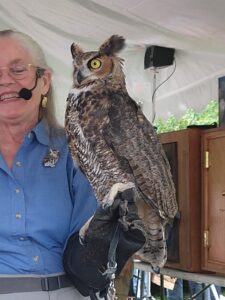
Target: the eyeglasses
(19, 71)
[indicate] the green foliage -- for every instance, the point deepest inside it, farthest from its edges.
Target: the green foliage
(209, 115)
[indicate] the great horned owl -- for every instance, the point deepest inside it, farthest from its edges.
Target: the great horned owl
(115, 145)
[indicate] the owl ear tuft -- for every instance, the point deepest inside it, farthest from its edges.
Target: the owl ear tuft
(113, 45)
(75, 49)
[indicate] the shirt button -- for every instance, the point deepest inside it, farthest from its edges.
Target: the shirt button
(18, 164)
(17, 190)
(22, 238)
(36, 258)
(18, 216)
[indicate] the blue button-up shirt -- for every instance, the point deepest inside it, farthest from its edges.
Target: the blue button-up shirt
(40, 206)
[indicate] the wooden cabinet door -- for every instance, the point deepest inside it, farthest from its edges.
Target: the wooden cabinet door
(213, 204)
(183, 150)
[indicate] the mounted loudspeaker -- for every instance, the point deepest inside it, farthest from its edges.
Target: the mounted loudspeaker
(156, 56)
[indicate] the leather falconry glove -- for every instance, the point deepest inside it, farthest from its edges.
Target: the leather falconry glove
(114, 234)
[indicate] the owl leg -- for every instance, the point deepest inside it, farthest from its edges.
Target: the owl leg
(115, 189)
(107, 201)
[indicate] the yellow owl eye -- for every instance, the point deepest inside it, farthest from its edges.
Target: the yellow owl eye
(95, 63)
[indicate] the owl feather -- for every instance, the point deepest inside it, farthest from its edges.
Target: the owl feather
(116, 146)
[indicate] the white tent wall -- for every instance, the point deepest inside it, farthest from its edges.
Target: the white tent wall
(195, 28)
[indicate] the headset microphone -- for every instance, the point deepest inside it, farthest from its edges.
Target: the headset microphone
(26, 94)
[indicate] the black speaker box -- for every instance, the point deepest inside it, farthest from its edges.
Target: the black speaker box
(156, 56)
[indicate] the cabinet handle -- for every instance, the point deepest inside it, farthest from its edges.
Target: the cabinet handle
(206, 159)
(206, 238)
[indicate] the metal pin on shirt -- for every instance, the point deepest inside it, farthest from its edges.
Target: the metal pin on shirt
(51, 158)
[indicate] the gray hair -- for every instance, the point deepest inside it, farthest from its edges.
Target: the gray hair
(47, 114)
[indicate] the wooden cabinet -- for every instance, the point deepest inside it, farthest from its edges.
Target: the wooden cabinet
(213, 204)
(183, 150)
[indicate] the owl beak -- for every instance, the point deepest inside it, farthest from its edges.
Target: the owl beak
(80, 77)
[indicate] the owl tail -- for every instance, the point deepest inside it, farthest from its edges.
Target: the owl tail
(154, 251)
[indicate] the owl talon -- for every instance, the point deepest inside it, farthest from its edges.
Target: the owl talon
(83, 231)
(81, 240)
(105, 206)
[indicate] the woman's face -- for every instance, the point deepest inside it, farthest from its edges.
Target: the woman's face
(13, 59)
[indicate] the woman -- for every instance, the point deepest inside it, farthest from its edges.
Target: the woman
(44, 198)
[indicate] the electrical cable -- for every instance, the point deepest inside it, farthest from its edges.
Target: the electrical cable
(153, 94)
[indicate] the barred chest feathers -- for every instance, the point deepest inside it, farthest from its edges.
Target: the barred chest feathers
(84, 124)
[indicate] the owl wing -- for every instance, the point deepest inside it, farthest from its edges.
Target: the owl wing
(135, 143)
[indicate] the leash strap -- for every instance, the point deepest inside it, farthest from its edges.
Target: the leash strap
(112, 265)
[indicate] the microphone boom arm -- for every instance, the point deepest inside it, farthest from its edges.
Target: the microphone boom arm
(25, 93)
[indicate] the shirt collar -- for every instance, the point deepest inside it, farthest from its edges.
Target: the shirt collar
(41, 132)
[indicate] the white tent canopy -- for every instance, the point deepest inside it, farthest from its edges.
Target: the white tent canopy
(195, 28)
